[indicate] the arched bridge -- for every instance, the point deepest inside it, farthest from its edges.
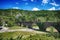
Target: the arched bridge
(42, 25)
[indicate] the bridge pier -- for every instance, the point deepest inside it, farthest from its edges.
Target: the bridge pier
(57, 26)
(41, 26)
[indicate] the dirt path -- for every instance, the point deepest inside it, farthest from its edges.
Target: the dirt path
(23, 29)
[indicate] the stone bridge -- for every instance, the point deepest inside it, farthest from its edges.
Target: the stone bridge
(42, 25)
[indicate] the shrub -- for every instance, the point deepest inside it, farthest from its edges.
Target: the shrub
(41, 26)
(10, 23)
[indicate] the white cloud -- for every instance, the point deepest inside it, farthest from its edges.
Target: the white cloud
(32, 0)
(35, 9)
(54, 4)
(53, 8)
(15, 7)
(45, 1)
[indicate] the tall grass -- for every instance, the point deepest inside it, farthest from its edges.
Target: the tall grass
(32, 37)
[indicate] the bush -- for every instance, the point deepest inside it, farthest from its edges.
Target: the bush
(10, 23)
(41, 26)
(11, 38)
(1, 38)
(1, 23)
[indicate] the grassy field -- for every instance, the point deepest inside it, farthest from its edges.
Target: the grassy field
(21, 35)
(14, 34)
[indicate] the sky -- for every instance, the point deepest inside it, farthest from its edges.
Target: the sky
(33, 5)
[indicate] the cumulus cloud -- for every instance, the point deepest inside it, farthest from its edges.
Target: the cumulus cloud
(54, 4)
(35, 9)
(15, 7)
(44, 1)
(53, 8)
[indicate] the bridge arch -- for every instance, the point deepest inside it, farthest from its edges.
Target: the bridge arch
(43, 25)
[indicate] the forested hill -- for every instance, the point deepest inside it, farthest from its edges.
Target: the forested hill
(42, 15)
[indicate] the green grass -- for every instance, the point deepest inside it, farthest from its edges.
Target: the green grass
(27, 36)
(14, 34)
(16, 27)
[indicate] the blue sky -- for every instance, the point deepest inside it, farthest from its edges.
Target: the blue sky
(30, 4)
